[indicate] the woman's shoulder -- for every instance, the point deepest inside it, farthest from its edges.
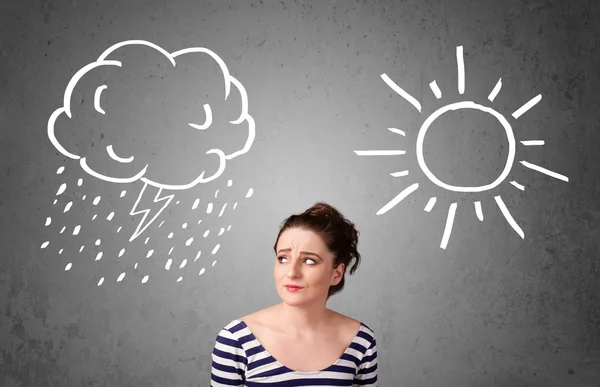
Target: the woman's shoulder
(260, 317)
(357, 329)
(342, 320)
(232, 328)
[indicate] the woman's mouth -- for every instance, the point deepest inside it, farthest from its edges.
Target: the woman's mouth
(293, 288)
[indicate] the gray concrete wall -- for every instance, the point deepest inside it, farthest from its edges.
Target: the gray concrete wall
(491, 309)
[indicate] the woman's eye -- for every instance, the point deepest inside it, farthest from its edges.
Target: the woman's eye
(312, 261)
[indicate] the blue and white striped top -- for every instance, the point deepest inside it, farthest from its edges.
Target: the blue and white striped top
(238, 359)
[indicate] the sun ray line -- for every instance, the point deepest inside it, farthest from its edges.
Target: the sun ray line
(379, 152)
(397, 131)
(436, 90)
(508, 216)
(532, 142)
(449, 224)
(401, 92)
(519, 186)
(461, 69)
(545, 171)
(401, 196)
(430, 204)
(399, 174)
(478, 210)
(495, 90)
(523, 109)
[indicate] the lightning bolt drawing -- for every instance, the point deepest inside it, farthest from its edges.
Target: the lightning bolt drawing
(157, 199)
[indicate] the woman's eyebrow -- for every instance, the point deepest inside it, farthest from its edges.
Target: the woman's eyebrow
(302, 252)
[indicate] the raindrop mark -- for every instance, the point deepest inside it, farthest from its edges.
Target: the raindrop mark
(60, 170)
(235, 205)
(177, 202)
(135, 266)
(55, 201)
(68, 206)
(198, 256)
(61, 189)
(77, 229)
(110, 216)
(195, 205)
(184, 225)
(179, 279)
(84, 196)
(221, 231)
(48, 221)
(229, 183)
(201, 271)
(63, 229)
(200, 221)
(146, 241)
(222, 210)
(250, 192)
(145, 279)
(216, 249)
(94, 217)
(99, 256)
(119, 229)
(214, 263)
(149, 253)
(170, 235)
(189, 241)
(123, 193)
(206, 233)
(161, 223)
(98, 242)
(168, 265)
(121, 253)
(171, 250)
(45, 244)
(101, 281)
(209, 208)
(229, 228)
(121, 277)
(79, 182)
(183, 264)
(69, 266)
(216, 193)
(60, 251)
(96, 200)
(81, 249)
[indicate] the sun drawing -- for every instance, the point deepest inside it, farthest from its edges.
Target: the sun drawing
(423, 165)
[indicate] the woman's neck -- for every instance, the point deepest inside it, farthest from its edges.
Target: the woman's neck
(303, 320)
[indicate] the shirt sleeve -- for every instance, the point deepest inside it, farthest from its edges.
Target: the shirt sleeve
(229, 361)
(367, 370)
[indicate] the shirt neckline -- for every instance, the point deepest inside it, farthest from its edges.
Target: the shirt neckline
(280, 364)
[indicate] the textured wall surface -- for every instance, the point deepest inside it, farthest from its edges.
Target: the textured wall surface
(491, 309)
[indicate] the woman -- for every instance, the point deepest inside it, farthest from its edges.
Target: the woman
(301, 342)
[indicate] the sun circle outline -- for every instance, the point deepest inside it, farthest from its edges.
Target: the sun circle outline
(466, 105)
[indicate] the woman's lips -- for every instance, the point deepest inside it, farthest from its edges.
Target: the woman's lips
(293, 288)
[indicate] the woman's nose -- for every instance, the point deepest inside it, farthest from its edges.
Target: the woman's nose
(293, 271)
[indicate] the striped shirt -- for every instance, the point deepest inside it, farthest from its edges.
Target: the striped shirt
(239, 359)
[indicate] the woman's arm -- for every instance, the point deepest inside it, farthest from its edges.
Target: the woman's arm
(367, 370)
(228, 361)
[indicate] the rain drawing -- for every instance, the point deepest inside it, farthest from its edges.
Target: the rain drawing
(461, 105)
(155, 123)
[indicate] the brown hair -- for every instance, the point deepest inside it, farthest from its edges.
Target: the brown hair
(338, 233)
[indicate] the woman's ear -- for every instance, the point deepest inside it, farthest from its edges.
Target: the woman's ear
(338, 274)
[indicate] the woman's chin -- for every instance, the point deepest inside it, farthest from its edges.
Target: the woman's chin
(293, 299)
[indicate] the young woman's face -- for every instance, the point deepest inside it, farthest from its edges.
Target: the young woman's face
(302, 259)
